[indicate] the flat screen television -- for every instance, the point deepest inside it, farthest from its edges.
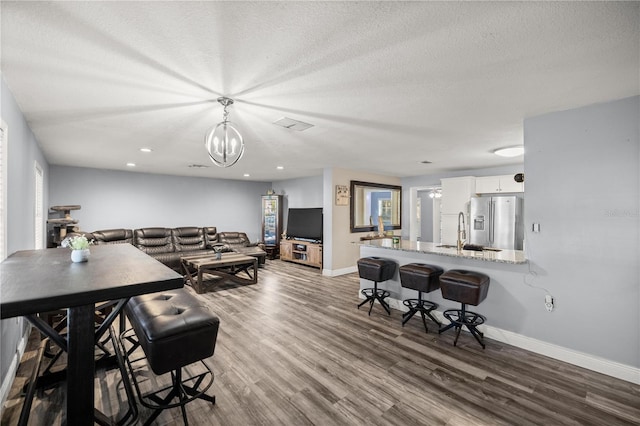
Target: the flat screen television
(305, 224)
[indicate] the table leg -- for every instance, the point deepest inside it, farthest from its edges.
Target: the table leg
(80, 365)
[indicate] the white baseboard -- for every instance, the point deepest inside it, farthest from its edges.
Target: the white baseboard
(13, 368)
(337, 272)
(581, 359)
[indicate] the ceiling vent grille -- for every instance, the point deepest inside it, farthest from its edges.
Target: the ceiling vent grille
(290, 123)
(198, 166)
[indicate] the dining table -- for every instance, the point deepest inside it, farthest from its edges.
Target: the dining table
(36, 281)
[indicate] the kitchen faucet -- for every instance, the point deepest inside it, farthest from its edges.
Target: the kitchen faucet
(462, 233)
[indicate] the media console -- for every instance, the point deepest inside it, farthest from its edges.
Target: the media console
(303, 252)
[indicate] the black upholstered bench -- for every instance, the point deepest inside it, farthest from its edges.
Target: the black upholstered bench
(174, 329)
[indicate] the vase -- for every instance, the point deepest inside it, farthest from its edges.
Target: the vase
(80, 255)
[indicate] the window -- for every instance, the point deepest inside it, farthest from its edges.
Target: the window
(39, 205)
(3, 190)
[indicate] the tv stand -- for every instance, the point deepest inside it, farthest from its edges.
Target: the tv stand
(303, 252)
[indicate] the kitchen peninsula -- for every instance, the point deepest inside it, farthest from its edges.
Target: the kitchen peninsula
(509, 296)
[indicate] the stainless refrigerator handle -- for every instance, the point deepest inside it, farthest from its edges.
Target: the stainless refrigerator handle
(491, 222)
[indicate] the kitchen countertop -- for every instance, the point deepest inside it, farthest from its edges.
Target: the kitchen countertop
(503, 256)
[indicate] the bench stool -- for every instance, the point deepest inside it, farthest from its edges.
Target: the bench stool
(424, 279)
(466, 287)
(376, 269)
(174, 329)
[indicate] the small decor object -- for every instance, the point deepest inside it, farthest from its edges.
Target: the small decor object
(79, 245)
(218, 249)
(342, 195)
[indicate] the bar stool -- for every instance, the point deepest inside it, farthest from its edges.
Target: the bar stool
(376, 269)
(468, 288)
(424, 279)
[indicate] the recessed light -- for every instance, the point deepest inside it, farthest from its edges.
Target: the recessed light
(426, 162)
(131, 164)
(280, 167)
(145, 149)
(510, 151)
(246, 175)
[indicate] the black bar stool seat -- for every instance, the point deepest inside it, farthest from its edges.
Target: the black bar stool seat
(376, 269)
(468, 288)
(424, 279)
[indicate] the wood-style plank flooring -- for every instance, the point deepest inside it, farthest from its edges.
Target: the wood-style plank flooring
(294, 350)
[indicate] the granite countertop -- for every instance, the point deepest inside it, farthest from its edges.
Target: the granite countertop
(503, 256)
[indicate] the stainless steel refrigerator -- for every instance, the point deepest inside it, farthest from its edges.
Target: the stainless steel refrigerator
(497, 222)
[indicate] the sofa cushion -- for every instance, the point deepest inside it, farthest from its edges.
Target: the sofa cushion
(188, 238)
(113, 236)
(234, 239)
(210, 235)
(154, 240)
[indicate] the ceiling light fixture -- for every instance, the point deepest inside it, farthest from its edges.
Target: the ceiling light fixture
(280, 168)
(435, 193)
(510, 151)
(131, 164)
(145, 150)
(223, 142)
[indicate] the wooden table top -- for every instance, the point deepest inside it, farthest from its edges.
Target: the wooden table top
(210, 261)
(33, 281)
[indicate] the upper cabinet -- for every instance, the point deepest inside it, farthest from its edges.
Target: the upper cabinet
(456, 193)
(497, 184)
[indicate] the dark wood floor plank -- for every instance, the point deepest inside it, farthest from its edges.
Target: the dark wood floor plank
(293, 349)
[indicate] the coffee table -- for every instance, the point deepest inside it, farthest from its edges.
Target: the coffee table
(226, 268)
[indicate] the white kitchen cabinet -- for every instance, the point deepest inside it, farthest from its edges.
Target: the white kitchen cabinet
(497, 184)
(456, 194)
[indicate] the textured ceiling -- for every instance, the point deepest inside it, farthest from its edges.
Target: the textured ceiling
(385, 84)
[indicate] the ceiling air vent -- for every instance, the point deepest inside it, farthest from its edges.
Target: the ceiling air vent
(198, 166)
(290, 123)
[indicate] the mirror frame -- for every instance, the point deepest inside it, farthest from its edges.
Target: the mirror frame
(352, 193)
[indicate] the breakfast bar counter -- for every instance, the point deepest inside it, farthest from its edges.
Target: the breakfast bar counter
(509, 291)
(487, 255)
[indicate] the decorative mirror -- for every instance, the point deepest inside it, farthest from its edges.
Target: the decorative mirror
(372, 200)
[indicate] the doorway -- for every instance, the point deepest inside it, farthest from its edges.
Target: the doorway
(424, 214)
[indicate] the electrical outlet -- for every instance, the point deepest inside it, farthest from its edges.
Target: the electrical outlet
(548, 302)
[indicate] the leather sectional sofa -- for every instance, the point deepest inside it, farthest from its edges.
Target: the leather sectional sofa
(168, 245)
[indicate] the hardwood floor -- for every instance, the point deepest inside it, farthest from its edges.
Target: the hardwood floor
(294, 350)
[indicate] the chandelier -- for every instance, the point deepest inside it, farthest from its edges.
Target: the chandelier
(223, 142)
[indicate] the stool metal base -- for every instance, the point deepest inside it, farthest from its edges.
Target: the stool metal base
(419, 305)
(184, 390)
(373, 294)
(462, 317)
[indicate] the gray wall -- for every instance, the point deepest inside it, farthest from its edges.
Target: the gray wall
(582, 186)
(22, 153)
(300, 193)
(117, 199)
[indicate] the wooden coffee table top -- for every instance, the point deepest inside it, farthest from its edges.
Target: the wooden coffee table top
(210, 261)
